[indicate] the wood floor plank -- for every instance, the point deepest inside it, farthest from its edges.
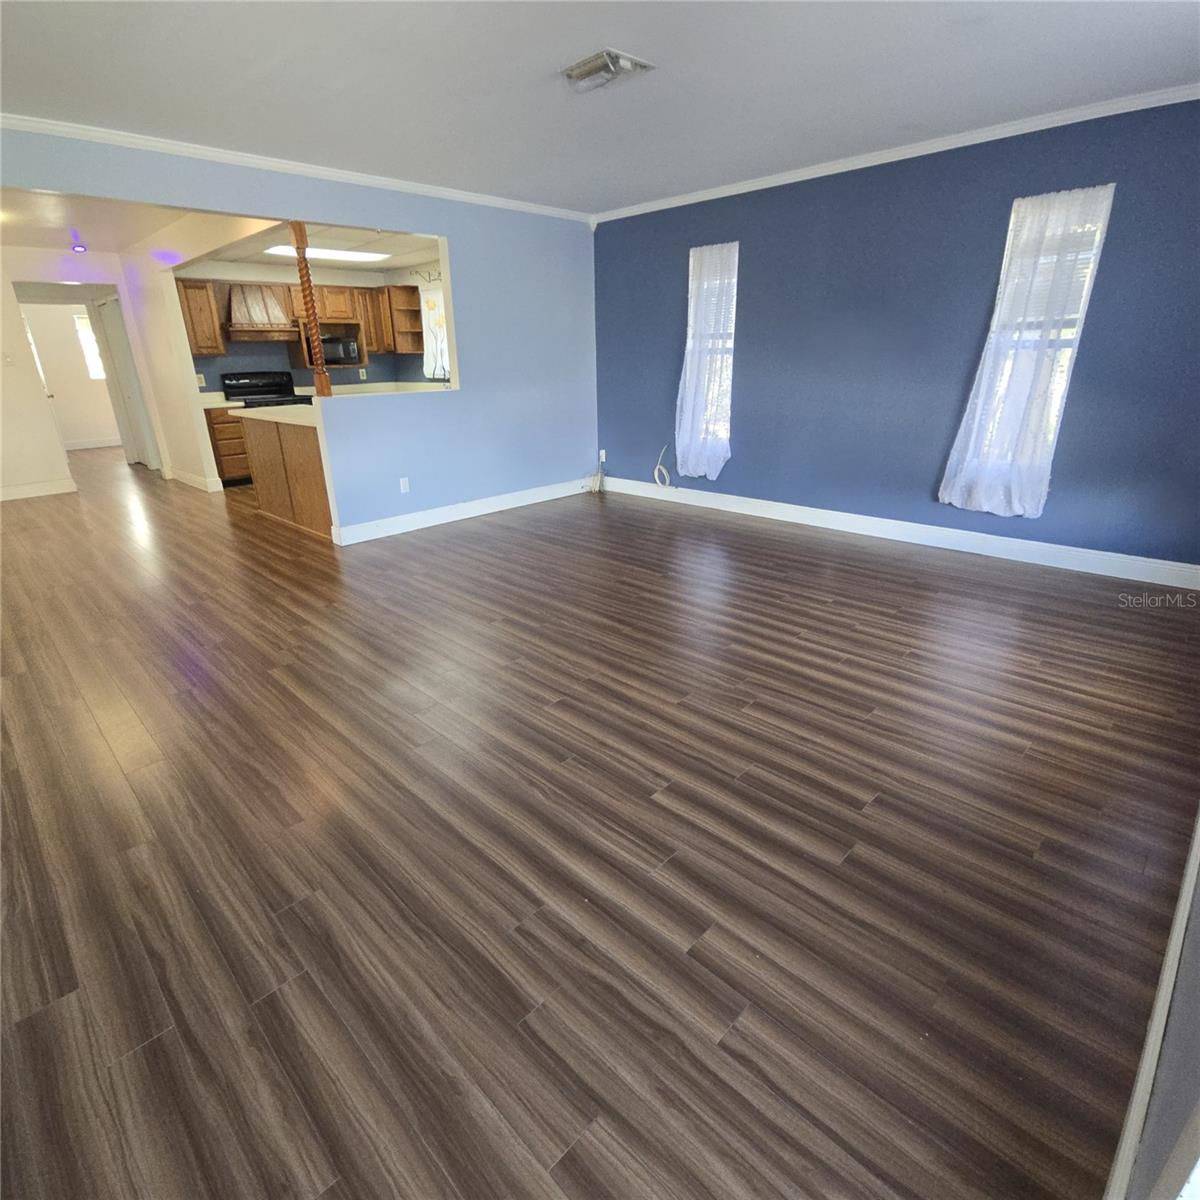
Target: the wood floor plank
(60, 1133)
(221, 887)
(37, 966)
(455, 1106)
(220, 1061)
(372, 1141)
(80, 845)
(594, 849)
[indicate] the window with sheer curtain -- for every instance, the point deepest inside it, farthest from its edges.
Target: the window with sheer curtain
(1001, 459)
(703, 406)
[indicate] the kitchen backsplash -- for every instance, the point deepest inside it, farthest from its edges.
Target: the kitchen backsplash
(273, 356)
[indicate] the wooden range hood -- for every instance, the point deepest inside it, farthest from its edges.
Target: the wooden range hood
(261, 312)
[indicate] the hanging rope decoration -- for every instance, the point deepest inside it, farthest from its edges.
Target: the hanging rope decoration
(321, 382)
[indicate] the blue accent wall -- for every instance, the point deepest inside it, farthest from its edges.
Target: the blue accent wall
(863, 303)
(274, 356)
(524, 414)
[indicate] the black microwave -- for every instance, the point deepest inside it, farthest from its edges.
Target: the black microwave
(340, 349)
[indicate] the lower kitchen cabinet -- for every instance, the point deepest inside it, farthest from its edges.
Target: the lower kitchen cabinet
(228, 444)
(289, 478)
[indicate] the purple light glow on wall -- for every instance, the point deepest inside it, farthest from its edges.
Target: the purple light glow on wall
(167, 257)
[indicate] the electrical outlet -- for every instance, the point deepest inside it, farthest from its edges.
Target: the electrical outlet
(404, 485)
(362, 372)
(200, 381)
(604, 456)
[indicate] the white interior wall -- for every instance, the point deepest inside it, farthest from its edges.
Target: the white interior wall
(81, 404)
(33, 461)
(159, 342)
(409, 276)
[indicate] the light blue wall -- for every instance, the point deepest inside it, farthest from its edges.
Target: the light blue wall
(525, 414)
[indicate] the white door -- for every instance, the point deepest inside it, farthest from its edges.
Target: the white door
(124, 387)
(72, 373)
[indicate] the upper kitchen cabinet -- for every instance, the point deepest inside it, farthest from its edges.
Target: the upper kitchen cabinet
(368, 312)
(201, 318)
(333, 303)
(338, 303)
(404, 308)
(260, 312)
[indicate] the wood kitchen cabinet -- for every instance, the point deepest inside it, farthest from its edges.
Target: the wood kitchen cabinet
(338, 303)
(201, 317)
(289, 478)
(369, 314)
(298, 302)
(260, 312)
(333, 303)
(404, 308)
(228, 443)
(383, 314)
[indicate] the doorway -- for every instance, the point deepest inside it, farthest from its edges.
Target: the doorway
(81, 349)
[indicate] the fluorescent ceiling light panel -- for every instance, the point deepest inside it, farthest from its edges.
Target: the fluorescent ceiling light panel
(329, 255)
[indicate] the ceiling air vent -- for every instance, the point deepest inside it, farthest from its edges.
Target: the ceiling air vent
(603, 67)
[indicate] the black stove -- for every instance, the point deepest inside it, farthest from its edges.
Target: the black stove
(259, 389)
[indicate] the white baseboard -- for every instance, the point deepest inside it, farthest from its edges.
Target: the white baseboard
(25, 491)
(1046, 554)
(196, 481)
(92, 443)
(347, 535)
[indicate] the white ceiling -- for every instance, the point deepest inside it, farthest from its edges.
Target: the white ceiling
(51, 221)
(468, 95)
(402, 249)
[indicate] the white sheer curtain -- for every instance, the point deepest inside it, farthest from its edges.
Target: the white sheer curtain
(702, 411)
(433, 330)
(1000, 462)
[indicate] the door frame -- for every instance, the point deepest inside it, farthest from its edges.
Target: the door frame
(124, 384)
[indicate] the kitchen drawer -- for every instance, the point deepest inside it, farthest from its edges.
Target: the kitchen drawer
(231, 448)
(227, 430)
(235, 466)
(224, 416)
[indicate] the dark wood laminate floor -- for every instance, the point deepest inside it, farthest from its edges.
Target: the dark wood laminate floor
(597, 849)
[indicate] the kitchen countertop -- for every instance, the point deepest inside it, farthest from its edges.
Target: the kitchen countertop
(283, 414)
(217, 399)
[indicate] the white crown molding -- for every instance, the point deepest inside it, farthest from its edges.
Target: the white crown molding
(347, 535)
(238, 158)
(1045, 554)
(1067, 116)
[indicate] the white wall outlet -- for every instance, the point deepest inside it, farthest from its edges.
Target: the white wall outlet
(200, 381)
(362, 372)
(404, 484)
(604, 456)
